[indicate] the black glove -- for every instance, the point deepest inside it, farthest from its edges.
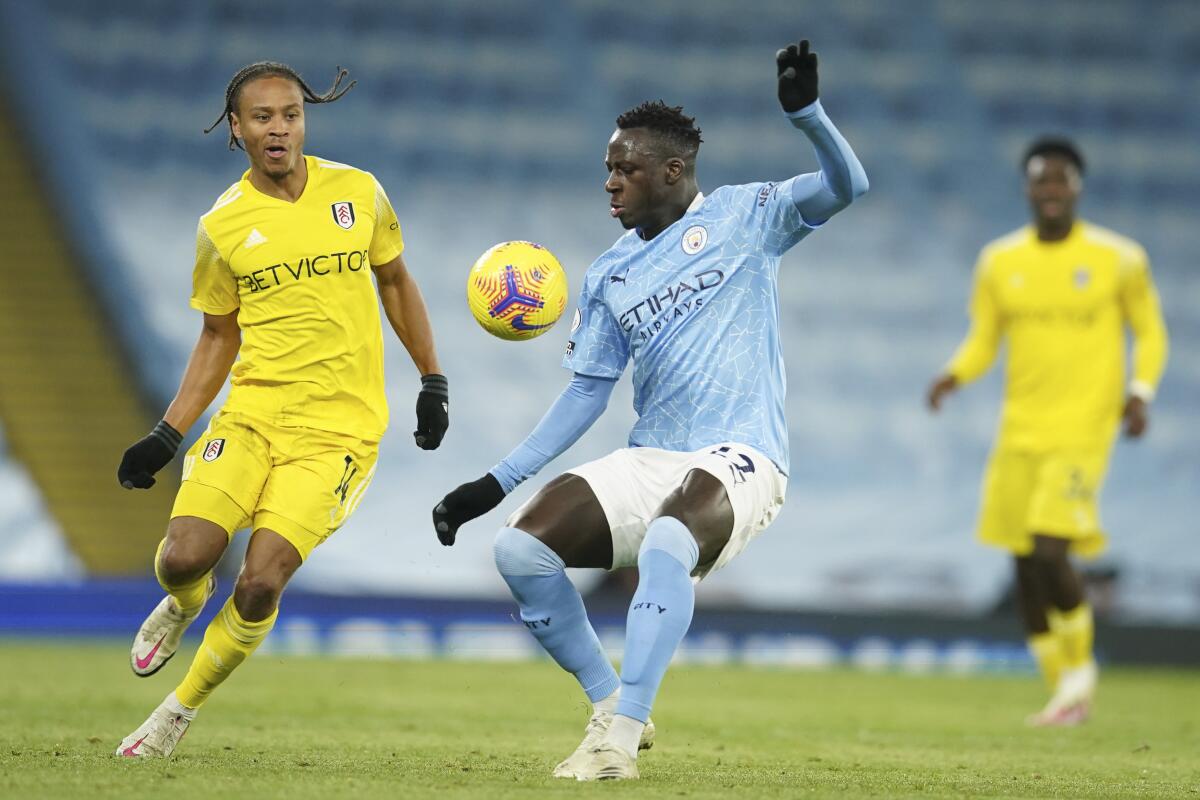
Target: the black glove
(433, 411)
(147, 456)
(464, 504)
(797, 76)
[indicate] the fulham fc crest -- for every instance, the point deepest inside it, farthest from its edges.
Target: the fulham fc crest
(214, 449)
(343, 214)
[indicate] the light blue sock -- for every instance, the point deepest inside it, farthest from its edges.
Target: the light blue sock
(553, 611)
(660, 613)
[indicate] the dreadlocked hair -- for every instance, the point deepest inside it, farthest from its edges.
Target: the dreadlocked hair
(263, 69)
(669, 122)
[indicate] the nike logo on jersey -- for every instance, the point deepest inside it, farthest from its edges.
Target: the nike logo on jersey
(254, 239)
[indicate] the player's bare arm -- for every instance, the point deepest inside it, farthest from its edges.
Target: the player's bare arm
(406, 312)
(942, 386)
(207, 369)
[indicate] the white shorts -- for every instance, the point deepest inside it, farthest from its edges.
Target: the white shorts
(631, 484)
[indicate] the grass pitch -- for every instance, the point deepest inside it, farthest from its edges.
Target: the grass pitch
(305, 727)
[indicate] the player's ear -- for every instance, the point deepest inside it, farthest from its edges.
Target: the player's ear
(236, 125)
(674, 170)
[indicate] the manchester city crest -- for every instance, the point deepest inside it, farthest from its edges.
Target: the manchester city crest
(694, 239)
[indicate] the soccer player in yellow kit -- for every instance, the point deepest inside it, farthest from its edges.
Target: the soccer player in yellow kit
(283, 270)
(1061, 292)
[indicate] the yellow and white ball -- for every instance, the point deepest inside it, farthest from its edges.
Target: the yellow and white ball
(517, 290)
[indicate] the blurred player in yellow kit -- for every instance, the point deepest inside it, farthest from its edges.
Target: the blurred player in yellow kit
(283, 270)
(1061, 292)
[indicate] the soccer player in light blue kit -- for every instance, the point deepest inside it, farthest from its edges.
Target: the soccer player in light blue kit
(690, 294)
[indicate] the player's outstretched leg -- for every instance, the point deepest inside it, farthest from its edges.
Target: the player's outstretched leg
(183, 565)
(659, 616)
(236, 631)
(553, 611)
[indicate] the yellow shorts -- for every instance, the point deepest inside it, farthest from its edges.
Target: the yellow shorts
(298, 482)
(1055, 494)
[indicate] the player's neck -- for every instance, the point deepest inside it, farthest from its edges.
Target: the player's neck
(1054, 230)
(287, 187)
(672, 211)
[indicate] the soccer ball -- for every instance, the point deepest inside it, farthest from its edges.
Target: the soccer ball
(517, 290)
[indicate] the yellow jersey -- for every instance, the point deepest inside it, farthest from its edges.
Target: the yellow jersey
(299, 275)
(1063, 307)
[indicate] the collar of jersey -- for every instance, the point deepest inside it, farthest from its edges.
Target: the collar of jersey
(1076, 232)
(313, 168)
(697, 201)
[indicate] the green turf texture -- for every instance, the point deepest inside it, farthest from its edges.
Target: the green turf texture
(290, 727)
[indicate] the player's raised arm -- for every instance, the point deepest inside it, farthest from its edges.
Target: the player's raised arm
(575, 410)
(818, 195)
(405, 309)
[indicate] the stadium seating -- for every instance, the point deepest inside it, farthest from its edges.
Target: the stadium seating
(488, 122)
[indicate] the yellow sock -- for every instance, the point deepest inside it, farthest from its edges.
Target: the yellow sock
(227, 642)
(189, 596)
(1048, 653)
(1075, 630)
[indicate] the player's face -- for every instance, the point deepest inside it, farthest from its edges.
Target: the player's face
(1052, 184)
(270, 122)
(638, 178)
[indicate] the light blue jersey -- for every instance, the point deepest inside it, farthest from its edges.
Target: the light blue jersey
(697, 309)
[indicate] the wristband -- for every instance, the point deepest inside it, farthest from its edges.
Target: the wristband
(167, 435)
(1142, 391)
(435, 384)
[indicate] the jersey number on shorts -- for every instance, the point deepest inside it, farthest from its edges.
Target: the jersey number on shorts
(344, 484)
(740, 471)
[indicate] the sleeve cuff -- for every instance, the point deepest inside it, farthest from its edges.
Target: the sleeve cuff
(505, 476)
(212, 308)
(385, 255)
(1141, 390)
(802, 116)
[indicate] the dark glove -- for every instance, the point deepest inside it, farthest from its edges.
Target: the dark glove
(147, 456)
(464, 504)
(433, 411)
(797, 76)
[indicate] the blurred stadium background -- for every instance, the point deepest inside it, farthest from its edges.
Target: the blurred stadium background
(488, 121)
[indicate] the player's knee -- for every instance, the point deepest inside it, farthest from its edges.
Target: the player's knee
(671, 536)
(256, 595)
(1050, 552)
(179, 564)
(519, 553)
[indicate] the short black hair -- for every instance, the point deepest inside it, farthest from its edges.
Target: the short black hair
(1054, 146)
(262, 69)
(677, 130)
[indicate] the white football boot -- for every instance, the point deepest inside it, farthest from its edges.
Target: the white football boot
(607, 762)
(594, 734)
(1072, 701)
(159, 734)
(158, 638)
